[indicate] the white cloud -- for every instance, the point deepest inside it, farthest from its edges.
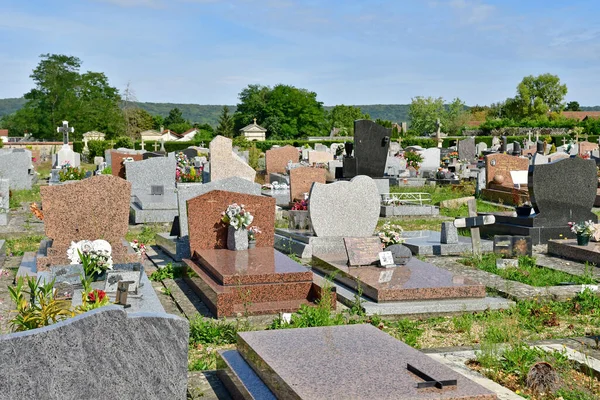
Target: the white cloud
(472, 12)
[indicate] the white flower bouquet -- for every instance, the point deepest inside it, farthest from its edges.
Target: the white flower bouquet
(95, 256)
(237, 216)
(390, 234)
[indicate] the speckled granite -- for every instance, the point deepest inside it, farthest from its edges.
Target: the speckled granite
(301, 180)
(568, 248)
(368, 364)
(277, 159)
(255, 281)
(224, 163)
(204, 218)
(417, 280)
(102, 354)
(116, 162)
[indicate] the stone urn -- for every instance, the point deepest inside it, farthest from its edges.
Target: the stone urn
(237, 239)
(499, 179)
(252, 243)
(299, 219)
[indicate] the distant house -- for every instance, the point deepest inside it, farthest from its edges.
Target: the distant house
(93, 135)
(254, 132)
(581, 115)
(165, 135)
(188, 135)
(4, 135)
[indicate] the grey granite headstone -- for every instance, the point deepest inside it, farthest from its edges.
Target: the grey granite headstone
(431, 159)
(154, 171)
(563, 191)
(449, 233)
(371, 143)
(15, 166)
(104, 353)
(345, 209)
(480, 147)
(401, 253)
(466, 149)
(190, 153)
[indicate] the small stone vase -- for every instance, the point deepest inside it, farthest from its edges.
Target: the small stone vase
(583, 240)
(237, 239)
(99, 277)
(251, 244)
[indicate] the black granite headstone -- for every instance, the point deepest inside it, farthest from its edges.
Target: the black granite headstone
(150, 154)
(539, 147)
(371, 143)
(503, 144)
(516, 149)
(563, 191)
(349, 146)
(190, 153)
(401, 253)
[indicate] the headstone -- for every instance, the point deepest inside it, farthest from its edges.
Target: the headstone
(480, 147)
(516, 149)
(504, 144)
(500, 165)
(117, 165)
(302, 179)
(4, 202)
(557, 157)
(512, 246)
(539, 147)
(150, 154)
(159, 171)
(153, 367)
(371, 142)
(400, 253)
(466, 149)
(585, 147)
(66, 155)
(394, 148)
(15, 166)
(449, 233)
(98, 160)
(362, 251)
(345, 209)
(319, 157)
(431, 159)
(224, 163)
(207, 231)
(321, 147)
(190, 153)
(277, 159)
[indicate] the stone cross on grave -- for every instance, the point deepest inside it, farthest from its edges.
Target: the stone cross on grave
(474, 222)
(537, 137)
(528, 137)
(155, 146)
(565, 141)
(143, 145)
(65, 130)
(202, 144)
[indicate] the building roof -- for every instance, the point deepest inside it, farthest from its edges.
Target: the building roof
(171, 132)
(581, 115)
(4, 132)
(253, 128)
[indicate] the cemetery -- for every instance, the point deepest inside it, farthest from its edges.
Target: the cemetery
(439, 272)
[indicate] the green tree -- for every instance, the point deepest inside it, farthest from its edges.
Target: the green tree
(157, 122)
(137, 120)
(573, 106)
(285, 111)
(86, 100)
(423, 113)
(174, 118)
(225, 127)
(343, 117)
(456, 117)
(540, 94)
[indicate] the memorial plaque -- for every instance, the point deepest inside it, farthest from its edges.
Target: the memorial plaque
(521, 246)
(362, 251)
(503, 245)
(115, 276)
(386, 258)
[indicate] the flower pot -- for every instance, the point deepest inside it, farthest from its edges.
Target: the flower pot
(237, 239)
(251, 244)
(523, 211)
(583, 240)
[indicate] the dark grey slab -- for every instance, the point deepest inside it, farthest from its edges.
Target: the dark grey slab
(346, 362)
(240, 379)
(428, 243)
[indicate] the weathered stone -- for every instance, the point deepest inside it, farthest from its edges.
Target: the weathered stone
(449, 233)
(466, 149)
(128, 354)
(224, 163)
(345, 209)
(302, 179)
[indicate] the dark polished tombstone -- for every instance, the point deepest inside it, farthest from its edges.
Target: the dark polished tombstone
(516, 149)
(349, 147)
(150, 154)
(560, 192)
(539, 147)
(190, 153)
(371, 143)
(503, 144)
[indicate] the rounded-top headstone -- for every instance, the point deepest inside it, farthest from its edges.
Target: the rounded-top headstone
(401, 253)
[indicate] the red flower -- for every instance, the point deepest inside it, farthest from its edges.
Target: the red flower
(92, 295)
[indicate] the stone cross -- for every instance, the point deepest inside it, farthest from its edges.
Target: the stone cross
(143, 145)
(474, 222)
(155, 147)
(528, 137)
(400, 141)
(65, 130)
(537, 136)
(565, 141)
(254, 121)
(162, 145)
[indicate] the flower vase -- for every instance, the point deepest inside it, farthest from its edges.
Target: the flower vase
(99, 276)
(583, 240)
(251, 243)
(237, 239)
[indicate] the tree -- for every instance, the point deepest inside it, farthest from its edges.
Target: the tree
(225, 127)
(285, 111)
(573, 106)
(137, 120)
(423, 113)
(457, 117)
(343, 117)
(87, 100)
(541, 94)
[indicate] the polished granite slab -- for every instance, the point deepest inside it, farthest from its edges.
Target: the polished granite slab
(569, 249)
(347, 362)
(417, 280)
(258, 265)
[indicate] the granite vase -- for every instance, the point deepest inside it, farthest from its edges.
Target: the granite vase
(523, 211)
(237, 239)
(251, 244)
(583, 240)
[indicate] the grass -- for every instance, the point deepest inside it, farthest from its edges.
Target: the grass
(27, 195)
(167, 272)
(527, 272)
(146, 235)
(18, 246)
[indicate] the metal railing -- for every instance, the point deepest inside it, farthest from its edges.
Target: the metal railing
(396, 199)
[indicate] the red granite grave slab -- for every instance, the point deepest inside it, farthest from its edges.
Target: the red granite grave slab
(568, 248)
(348, 362)
(277, 159)
(417, 280)
(301, 180)
(258, 265)
(500, 165)
(116, 162)
(204, 218)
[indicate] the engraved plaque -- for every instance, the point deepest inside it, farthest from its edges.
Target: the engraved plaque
(362, 251)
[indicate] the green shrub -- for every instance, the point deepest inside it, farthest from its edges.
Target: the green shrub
(209, 331)
(124, 141)
(97, 148)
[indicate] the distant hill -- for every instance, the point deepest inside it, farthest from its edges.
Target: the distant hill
(210, 113)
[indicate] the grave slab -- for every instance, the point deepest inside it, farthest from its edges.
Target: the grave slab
(354, 349)
(428, 243)
(568, 248)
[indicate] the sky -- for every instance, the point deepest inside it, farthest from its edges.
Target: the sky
(347, 51)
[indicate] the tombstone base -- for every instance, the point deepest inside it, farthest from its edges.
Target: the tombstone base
(304, 244)
(428, 243)
(146, 211)
(408, 210)
(177, 248)
(568, 248)
(282, 197)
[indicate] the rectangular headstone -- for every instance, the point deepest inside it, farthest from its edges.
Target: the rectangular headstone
(371, 143)
(145, 174)
(15, 166)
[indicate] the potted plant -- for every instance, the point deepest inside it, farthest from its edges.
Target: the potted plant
(584, 230)
(95, 257)
(238, 220)
(413, 159)
(252, 232)
(522, 208)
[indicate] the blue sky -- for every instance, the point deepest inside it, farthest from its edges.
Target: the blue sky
(348, 51)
